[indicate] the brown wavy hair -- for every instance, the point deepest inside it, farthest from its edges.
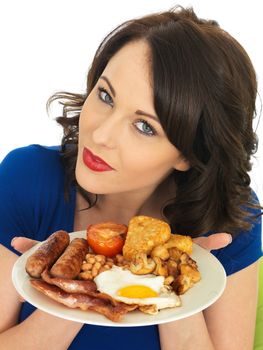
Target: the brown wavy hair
(204, 89)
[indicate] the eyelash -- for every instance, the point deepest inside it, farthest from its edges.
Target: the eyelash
(153, 131)
(101, 89)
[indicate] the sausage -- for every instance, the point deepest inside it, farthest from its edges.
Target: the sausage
(48, 252)
(69, 264)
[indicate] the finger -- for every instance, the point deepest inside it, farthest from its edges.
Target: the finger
(21, 299)
(214, 241)
(22, 244)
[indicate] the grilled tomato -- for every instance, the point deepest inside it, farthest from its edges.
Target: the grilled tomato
(106, 238)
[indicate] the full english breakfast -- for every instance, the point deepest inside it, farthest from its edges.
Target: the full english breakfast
(116, 269)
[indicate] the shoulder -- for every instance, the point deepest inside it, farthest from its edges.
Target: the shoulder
(31, 191)
(31, 155)
(31, 162)
(28, 174)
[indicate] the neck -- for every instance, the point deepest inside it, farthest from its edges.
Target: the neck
(121, 207)
(125, 205)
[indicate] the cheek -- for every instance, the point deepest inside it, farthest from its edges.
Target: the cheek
(87, 118)
(155, 160)
(85, 121)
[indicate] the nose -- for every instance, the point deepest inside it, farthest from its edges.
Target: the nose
(107, 132)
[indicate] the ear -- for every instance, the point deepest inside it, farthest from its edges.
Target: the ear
(182, 164)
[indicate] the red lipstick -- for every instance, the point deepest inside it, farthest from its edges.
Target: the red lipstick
(94, 162)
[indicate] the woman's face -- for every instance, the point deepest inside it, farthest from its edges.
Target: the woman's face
(119, 125)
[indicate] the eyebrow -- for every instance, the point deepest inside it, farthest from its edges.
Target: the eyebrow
(139, 112)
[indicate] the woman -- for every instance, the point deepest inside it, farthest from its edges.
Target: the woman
(164, 129)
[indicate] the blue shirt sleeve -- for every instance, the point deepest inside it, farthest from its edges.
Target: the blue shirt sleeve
(32, 201)
(245, 249)
(16, 189)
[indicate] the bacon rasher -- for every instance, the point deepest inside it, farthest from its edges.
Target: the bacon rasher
(83, 301)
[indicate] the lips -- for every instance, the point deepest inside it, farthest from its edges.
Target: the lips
(94, 162)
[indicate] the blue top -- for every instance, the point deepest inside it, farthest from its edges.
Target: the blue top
(32, 205)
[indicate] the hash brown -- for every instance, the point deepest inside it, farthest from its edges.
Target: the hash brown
(144, 233)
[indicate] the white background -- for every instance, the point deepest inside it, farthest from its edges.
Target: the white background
(48, 46)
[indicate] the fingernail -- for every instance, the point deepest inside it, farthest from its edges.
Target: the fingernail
(230, 238)
(13, 240)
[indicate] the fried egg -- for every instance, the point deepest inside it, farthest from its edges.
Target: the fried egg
(124, 286)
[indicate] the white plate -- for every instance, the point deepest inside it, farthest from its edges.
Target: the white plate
(199, 297)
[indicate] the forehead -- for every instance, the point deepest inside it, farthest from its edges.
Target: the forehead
(131, 65)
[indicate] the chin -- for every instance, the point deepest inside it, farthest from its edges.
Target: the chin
(93, 183)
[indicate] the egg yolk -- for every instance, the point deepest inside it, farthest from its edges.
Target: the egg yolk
(137, 291)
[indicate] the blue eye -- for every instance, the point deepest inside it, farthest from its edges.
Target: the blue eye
(144, 128)
(104, 96)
